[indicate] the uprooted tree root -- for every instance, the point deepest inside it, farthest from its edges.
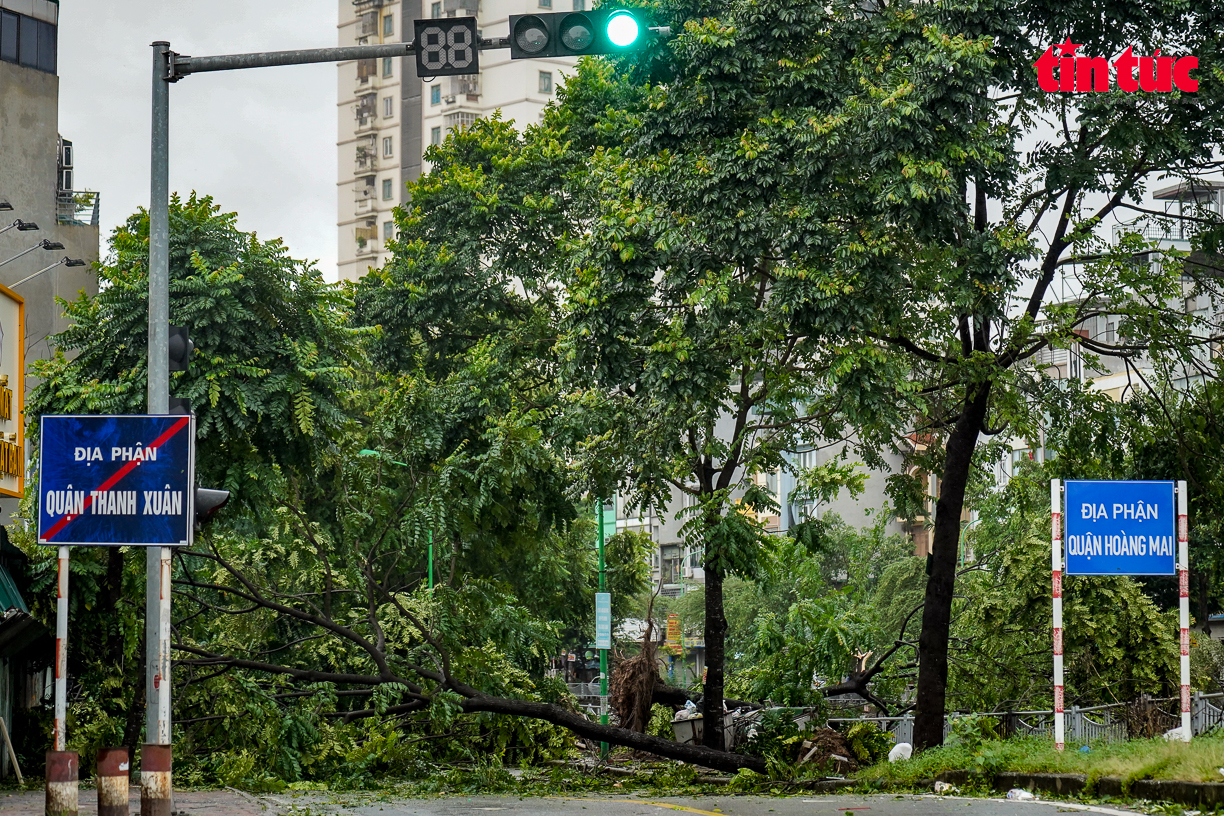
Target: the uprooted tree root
(632, 686)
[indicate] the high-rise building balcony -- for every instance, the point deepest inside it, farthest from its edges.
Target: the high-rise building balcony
(462, 89)
(367, 239)
(363, 195)
(367, 77)
(76, 207)
(367, 24)
(366, 161)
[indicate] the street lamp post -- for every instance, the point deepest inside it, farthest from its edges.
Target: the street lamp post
(65, 261)
(45, 243)
(19, 225)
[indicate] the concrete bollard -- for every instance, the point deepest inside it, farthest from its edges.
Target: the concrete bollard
(156, 790)
(113, 776)
(62, 769)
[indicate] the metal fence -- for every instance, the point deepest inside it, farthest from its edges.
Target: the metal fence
(1107, 723)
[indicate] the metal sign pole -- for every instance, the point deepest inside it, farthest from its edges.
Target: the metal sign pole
(61, 650)
(1183, 603)
(163, 645)
(1056, 571)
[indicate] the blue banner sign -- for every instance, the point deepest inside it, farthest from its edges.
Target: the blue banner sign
(116, 480)
(603, 620)
(1120, 528)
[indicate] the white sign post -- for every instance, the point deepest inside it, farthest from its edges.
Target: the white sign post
(1183, 603)
(1056, 572)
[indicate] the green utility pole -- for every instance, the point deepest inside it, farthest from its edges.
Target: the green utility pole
(603, 653)
(431, 559)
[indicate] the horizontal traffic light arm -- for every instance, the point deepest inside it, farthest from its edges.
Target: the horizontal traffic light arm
(181, 65)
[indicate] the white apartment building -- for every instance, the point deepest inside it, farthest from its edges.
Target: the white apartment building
(1111, 375)
(388, 116)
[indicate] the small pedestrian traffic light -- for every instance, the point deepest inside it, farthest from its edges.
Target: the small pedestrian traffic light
(576, 33)
(180, 348)
(207, 503)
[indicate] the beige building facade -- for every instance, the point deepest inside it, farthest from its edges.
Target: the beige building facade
(37, 187)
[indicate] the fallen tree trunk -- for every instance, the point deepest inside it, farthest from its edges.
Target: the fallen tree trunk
(676, 697)
(580, 725)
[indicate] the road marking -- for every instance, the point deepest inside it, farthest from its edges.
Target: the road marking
(667, 805)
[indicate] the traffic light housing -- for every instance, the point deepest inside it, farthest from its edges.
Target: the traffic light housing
(180, 348)
(577, 33)
(207, 503)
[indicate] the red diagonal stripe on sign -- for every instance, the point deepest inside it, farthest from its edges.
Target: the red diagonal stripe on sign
(113, 480)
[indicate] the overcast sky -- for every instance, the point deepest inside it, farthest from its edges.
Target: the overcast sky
(261, 141)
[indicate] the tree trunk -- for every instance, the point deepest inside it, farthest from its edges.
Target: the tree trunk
(715, 652)
(718, 760)
(937, 610)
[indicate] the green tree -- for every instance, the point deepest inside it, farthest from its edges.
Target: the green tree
(272, 364)
(273, 356)
(1003, 213)
(729, 212)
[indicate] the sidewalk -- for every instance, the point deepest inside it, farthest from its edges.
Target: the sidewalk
(193, 803)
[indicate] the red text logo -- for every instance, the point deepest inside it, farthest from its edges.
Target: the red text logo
(1066, 72)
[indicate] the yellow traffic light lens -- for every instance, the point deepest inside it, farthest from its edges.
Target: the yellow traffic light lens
(531, 35)
(576, 33)
(623, 29)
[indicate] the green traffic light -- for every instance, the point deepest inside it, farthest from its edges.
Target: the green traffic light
(622, 29)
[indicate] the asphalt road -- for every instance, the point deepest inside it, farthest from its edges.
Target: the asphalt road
(838, 805)
(233, 803)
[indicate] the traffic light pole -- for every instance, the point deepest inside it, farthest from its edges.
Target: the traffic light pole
(170, 67)
(157, 709)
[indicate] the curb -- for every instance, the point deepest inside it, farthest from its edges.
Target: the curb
(1164, 790)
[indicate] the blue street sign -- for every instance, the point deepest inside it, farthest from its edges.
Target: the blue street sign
(115, 480)
(1121, 528)
(603, 620)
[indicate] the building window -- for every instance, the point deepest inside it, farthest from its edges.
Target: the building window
(387, 63)
(389, 25)
(546, 82)
(388, 147)
(579, 5)
(388, 107)
(545, 3)
(435, 94)
(28, 42)
(387, 188)
(435, 10)
(388, 230)
(435, 136)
